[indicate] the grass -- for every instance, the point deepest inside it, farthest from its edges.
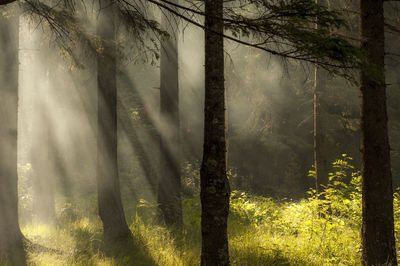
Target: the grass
(262, 231)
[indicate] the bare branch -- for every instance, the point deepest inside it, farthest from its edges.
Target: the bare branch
(6, 2)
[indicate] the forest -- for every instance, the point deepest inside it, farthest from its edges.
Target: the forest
(199, 132)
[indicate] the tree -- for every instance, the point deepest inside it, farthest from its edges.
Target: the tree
(378, 242)
(109, 196)
(169, 187)
(215, 190)
(6, 2)
(281, 22)
(320, 135)
(11, 238)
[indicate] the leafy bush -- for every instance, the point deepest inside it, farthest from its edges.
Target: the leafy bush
(320, 230)
(250, 209)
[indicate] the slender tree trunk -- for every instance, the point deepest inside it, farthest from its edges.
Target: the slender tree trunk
(109, 196)
(378, 242)
(215, 190)
(320, 139)
(11, 239)
(169, 187)
(320, 130)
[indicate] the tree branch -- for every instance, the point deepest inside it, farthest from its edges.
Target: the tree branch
(6, 2)
(393, 27)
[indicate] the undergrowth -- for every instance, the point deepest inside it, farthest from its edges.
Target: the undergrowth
(262, 231)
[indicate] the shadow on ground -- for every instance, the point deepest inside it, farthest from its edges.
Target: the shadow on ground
(91, 246)
(263, 257)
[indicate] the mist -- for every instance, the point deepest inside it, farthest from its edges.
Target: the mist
(107, 156)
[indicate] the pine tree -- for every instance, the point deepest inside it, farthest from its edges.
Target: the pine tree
(378, 242)
(169, 187)
(11, 238)
(109, 196)
(215, 190)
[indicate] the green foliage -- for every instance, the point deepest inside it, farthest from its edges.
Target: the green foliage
(191, 178)
(262, 231)
(146, 210)
(255, 210)
(311, 231)
(341, 199)
(67, 214)
(288, 29)
(396, 208)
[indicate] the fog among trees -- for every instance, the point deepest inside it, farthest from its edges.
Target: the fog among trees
(180, 132)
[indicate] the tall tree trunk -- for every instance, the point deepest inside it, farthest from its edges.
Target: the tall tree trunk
(11, 239)
(169, 187)
(109, 196)
(215, 190)
(378, 242)
(320, 139)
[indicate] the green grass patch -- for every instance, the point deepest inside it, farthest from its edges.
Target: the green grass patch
(262, 231)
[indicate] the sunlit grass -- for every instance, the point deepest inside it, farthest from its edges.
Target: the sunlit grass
(286, 235)
(262, 231)
(75, 243)
(293, 239)
(167, 248)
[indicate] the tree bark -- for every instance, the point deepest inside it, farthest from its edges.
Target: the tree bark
(320, 130)
(378, 242)
(215, 190)
(169, 187)
(320, 138)
(109, 196)
(11, 239)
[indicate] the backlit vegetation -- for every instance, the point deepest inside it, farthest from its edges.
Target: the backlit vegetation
(263, 231)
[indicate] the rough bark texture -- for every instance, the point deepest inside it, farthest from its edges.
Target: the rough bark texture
(11, 239)
(215, 190)
(378, 242)
(109, 196)
(169, 187)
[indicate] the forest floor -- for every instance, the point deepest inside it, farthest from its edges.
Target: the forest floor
(261, 232)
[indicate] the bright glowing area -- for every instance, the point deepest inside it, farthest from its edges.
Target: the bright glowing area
(167, 132)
